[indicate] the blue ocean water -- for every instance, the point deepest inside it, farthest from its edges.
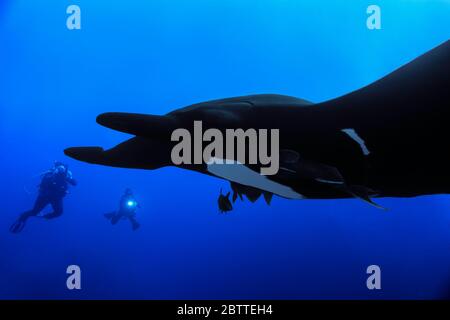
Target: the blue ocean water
(155, 56)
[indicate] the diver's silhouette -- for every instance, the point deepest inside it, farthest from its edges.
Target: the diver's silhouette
(52, 190)
(127, 210)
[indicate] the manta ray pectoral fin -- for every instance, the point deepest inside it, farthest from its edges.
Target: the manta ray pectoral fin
(94, 155)
(143, 125)
(127, 154)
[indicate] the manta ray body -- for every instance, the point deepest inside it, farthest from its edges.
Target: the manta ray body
(388, 139)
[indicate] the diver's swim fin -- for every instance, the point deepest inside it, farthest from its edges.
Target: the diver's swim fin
(17, 226)
(114, 217)
(110, 215)
(134, 224)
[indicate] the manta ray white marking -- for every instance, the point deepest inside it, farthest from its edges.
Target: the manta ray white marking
(239, 173)
(352, 134)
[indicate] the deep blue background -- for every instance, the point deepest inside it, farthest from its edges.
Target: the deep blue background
(155, 56)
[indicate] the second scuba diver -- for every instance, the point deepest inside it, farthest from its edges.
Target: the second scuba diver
(127, 210)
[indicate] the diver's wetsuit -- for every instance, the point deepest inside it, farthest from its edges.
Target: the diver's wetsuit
(52, 190)
(125, 211)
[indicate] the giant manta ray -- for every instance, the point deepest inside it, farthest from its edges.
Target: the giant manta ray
(388, 139)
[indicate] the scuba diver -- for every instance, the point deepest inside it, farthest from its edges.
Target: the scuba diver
(52, 190)
(127, 210)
